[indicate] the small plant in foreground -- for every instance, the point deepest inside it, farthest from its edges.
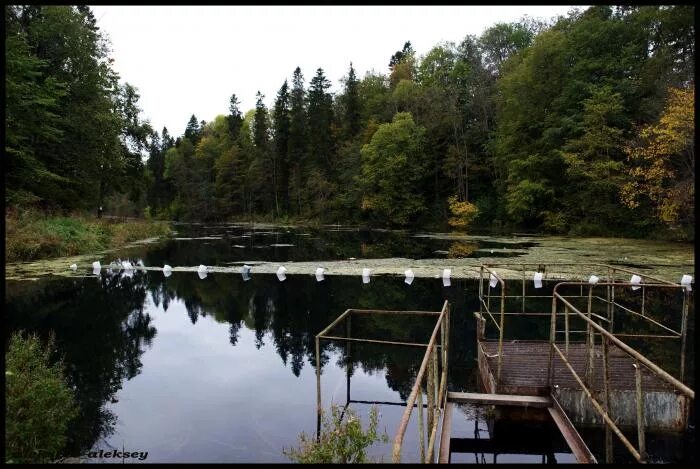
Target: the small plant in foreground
(341, 440)
(38, 402)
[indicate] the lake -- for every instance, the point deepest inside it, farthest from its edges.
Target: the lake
(222, 369)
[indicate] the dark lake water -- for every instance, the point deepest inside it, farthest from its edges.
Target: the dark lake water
(223, 370)
(222, 244)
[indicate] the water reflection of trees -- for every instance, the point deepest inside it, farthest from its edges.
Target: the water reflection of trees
(101, 332)
(102, 329)
(289, 314)
(232, 245)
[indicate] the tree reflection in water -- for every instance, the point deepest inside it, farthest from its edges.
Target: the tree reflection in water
(101, 331)
(103, 326)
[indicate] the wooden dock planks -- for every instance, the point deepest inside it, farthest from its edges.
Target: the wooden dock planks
(568, 431)
(498, 399)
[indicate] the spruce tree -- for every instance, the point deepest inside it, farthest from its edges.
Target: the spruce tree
(192, 130)
(264, 157)
(352, 105)
(297, 138)
(282, 124)
(166, 141)
(320, 116)
(260, 128)
(235, 118)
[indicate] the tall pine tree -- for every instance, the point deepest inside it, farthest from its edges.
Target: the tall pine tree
(281, 129)
(320, 117)
(297, 139)
(192, 130)
(235, 118)
(352, 105)
(265, 157)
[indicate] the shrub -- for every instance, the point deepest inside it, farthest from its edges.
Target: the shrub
(39, 403)
(341, 441)
(462, 212)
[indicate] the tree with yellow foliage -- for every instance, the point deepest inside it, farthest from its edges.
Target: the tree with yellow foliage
(462, 212)
(662, 162)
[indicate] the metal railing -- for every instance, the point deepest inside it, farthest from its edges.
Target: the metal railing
(436, 391)
(431, 372)
(612, 305)
(608, 339)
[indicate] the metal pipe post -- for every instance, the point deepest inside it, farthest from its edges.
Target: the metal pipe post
(606, 401)
(590, 342)
(318, 389)
(640, 412)
(684, 331)
(421, 430)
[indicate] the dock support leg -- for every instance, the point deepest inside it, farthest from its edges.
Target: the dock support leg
(431, 396)
(318, 391)
(684, 333)
(421, 429)
(590, 342)
(606, 401)
(640, 412)
(349, 353)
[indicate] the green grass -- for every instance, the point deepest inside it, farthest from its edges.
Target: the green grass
(31, 235)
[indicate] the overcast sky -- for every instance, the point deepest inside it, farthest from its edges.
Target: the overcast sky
(186, 59)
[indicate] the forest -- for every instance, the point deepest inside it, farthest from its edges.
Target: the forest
(580, 125)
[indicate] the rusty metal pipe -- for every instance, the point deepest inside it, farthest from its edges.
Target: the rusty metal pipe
(640, 411)
(630, 351)
(421, 430)
(600, 410)
(398, 440)
(374, 341)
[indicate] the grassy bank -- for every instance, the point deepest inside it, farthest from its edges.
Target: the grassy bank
(35, 235)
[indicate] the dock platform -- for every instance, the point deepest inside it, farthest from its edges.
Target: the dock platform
(525, 368)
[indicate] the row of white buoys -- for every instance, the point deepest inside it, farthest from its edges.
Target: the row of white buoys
(636, 280)
(202, 271)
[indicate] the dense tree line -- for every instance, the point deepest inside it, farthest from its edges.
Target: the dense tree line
(580, 125)
(73, 134)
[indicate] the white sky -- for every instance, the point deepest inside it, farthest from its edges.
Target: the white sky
(188, 59)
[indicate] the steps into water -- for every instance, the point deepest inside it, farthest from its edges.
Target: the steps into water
(449, 445)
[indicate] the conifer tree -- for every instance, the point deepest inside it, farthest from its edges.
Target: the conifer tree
(320, 116)
(297, 138)
(282, 125)
(192, 130)
(235, 118)
(352, 105)
(264, 157)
